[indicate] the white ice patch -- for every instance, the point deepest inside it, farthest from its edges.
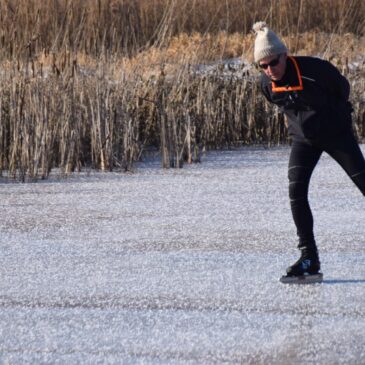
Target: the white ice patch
(180, 266)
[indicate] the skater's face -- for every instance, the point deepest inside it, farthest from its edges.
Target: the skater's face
(274, 66)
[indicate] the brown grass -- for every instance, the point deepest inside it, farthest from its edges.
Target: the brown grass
(96, 83)
(109, 27)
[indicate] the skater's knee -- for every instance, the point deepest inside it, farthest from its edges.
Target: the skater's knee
(298, 190)
(299, 173)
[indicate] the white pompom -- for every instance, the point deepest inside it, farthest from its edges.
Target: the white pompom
(259, 26)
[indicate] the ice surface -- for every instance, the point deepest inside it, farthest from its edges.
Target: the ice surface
(180, 267)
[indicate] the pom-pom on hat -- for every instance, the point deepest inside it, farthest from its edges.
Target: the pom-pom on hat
(267, 43)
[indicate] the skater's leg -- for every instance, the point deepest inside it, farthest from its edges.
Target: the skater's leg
(347, 153)
(302, 161)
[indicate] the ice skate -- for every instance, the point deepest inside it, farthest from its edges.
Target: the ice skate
(306, 270)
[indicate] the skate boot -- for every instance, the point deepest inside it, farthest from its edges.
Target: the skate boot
(306, 270)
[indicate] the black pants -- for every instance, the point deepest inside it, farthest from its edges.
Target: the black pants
(303, 159)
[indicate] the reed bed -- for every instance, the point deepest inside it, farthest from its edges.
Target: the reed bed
(107, 27)
(96, 84)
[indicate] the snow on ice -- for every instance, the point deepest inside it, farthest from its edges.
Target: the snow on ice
(180, 266)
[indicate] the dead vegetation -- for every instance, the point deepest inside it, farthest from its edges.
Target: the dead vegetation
(97, 83)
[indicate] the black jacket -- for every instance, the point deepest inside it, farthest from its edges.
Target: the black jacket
(314, 96)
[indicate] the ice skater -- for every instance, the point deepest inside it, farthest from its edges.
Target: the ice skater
(314, 96)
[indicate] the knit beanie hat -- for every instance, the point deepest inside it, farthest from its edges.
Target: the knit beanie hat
(267, 43)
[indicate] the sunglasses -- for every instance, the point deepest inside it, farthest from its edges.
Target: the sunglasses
(272, 63)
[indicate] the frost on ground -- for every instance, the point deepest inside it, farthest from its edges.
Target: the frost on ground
(180, 267)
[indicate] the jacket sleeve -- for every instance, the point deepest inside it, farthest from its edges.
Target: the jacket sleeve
(335, 82)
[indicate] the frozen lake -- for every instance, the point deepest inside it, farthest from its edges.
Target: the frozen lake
(180, 267)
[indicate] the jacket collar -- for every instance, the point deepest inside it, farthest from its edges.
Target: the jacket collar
(292, 80)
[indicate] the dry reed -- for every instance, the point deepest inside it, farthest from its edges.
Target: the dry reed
(96, 83)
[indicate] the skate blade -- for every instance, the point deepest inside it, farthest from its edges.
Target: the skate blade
(304, 279)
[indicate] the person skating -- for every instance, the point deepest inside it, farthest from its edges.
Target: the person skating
(314, 96)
